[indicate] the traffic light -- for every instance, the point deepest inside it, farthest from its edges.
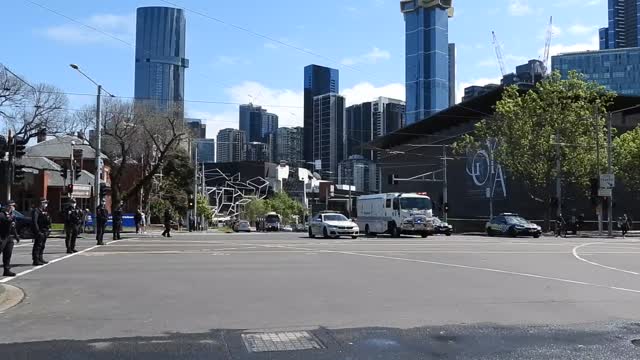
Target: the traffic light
(3, 147)
(20, 147)
(69, 189)
(64, 172)
(18, 173)
(190, 200)
(77, 171)
(104, 190)
(446, 207)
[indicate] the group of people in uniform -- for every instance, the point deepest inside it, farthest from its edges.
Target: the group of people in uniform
(41, 228)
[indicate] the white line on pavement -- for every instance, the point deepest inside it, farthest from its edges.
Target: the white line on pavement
(7, 279)
(575, 254)
(535, 276)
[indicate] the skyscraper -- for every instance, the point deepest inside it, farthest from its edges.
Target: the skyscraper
(160, 61)
(359, 129)
(198, 129)
(231, 146)
(328, 133)
(452, 74)
(256, 122)
(623, 30)
(388, 115)
(288, 145)
(257, 151)
(426, 56)
(359, 172)
(318, 80)
(269, 125)
(206, 150)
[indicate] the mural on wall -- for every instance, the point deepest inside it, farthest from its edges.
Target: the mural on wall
(484, 174)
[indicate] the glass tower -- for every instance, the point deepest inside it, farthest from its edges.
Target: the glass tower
(318, 80)
(426, 56)
(623, 31)
(160, 61)
(328, 133)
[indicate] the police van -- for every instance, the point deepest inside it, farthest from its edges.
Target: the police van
(395, 214)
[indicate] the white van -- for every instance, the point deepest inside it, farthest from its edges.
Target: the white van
(395, 214)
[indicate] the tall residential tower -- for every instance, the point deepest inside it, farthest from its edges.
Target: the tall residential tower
(160, 58)
(427, 51)
(318, 80)
(623, 30)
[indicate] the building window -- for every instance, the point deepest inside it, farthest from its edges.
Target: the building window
(618, 74)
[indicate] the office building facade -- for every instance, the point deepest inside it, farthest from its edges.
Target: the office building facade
(616, 69)
(388, 115)
(160, 61)
(359, 172)
(359, 129)
(426, 57)
(318, 80)
(288, 146)
(256, 122)
(206, 150)
(231, 145)
(328, 133)
(623, 30)
(257, 151)
(452, 74)
(198, 129)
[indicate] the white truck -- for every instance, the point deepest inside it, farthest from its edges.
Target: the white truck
(395, 214)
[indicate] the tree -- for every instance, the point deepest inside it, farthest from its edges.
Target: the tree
(627, 158)
(203, 208)
(557, 119)
(255, 209)
(285, 206)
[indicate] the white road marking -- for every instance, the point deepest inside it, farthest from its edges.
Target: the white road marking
(575, 254)
(468, 267)
(7, 279)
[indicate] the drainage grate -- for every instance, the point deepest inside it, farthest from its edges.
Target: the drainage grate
(281, 341)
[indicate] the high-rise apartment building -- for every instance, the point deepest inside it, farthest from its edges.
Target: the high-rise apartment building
(206, 150)
(160, 60)
(288, 145)
(318, 80)
(623, 30)
(269, 124)
(388, 115)
(256, 122)
(257, 151)
(231, 146)
(328, 133)
(359, 129)
(359, 172)
(426, 57)
(452, 74)
(198, 129)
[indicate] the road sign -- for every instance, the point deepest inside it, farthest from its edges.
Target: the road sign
(81, 191)
(604, 192)
(607, 181)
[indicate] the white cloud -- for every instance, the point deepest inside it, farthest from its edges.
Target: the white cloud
(519, 7)
(367, 92)
(231, 60)
(460, 86)
(579, 29)
(120, 26)
(371, 57)
(567, 3)
(556, 49)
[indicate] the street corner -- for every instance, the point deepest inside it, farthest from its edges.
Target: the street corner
(10, 296)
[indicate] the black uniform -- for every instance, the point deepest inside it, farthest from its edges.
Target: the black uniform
(102, 217)
(167, 224)
(7, 230)
(116, 218)
(41, 222)
(137, 218)
(72, 223)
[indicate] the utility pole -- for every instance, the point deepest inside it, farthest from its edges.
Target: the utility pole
(599, 204)
(445, 191)
(10, 163)
(490, 188)
(609, 171)
(98, 149)
(558, 178)
(205, 222)
(195, 183)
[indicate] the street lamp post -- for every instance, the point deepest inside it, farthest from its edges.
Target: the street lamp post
(98, 144)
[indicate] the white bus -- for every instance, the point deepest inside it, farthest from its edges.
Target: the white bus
(395, 214)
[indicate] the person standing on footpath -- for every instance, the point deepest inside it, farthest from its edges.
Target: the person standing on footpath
(72, 220)
(167, 223)
(137, 219)
(7, 229)
(102, 216)
(116, 220)
(40, 222)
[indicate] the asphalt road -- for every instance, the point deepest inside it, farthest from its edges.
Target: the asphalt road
(209, 296)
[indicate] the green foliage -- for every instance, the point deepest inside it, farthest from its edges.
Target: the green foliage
(527, 128)
(202, 206)
(285, 206)
(157, 207)
(255, 209)
(627, 158)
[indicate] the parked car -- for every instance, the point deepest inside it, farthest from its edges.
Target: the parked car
(300, 228)
(243, 226)
(287, 228)
(23, 225)
(441, 227)
(512, 225)
(332, 225)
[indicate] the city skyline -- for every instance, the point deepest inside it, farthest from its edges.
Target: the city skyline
(369, 66)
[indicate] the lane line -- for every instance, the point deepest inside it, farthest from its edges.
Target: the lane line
(506, 272)
(7, 279)
(575, 254)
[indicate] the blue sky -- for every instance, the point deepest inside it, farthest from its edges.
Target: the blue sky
(363, 38)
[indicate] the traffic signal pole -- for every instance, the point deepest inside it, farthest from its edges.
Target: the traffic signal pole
(10, 165)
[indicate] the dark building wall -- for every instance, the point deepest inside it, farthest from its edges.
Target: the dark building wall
(358, 129)
(318, 80)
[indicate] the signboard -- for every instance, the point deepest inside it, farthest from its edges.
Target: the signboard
(81, 191)
(607, 181)
(604, 192)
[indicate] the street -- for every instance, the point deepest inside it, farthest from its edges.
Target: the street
(230, 296)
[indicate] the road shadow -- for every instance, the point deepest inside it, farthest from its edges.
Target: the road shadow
(478, 341)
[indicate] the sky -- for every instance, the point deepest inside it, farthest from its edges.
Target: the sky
(364, 39)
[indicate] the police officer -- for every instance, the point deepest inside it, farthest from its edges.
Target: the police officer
(167, 223)
(116, 219)
(7, 230)
(72, 222)
(102, 216)
(40, 222)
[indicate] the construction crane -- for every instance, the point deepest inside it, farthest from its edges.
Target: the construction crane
(547, 45)
(498, 53)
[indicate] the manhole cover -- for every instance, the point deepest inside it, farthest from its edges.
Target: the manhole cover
(281, 341)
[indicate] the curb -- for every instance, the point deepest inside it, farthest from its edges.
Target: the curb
(10, 296)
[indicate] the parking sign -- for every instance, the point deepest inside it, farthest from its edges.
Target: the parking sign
(607, 181)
